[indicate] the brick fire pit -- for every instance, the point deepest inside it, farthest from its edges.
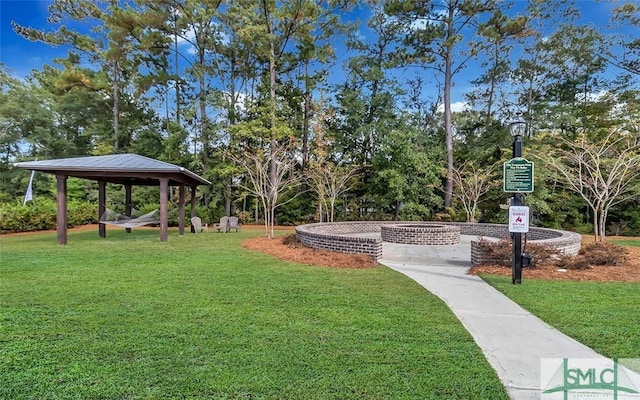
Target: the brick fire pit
(420, 234)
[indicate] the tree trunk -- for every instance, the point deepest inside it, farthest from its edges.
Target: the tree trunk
(448, 61)
(603, 224)
(333, 208)
(177, 83)
(204, 135)
(116, 106)
(273, 221)
(256, 211)
(305, 126)
(272, 92)
(396, 214)
(231, 110)
(596, 230)
(492, 88)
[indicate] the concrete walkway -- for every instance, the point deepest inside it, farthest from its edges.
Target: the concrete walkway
(513, 340)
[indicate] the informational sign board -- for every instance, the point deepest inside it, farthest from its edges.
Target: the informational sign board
(519, 219)
(518, 176)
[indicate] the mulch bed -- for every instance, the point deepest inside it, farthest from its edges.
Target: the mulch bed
(286, 248)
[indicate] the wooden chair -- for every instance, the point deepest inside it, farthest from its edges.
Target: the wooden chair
(198, 226)
(234, 223)
(223, 226)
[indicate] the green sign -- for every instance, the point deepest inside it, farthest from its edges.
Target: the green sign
(518, 176)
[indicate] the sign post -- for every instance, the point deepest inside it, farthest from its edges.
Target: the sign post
(518, 179)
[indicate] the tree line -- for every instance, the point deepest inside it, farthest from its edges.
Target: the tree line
(302, 107)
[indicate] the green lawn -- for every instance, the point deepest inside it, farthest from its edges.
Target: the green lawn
(201, 317)
(602, 315)
(629, 242)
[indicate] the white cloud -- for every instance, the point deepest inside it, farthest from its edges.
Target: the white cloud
(188, 39)
(419, 24)
(457, 106)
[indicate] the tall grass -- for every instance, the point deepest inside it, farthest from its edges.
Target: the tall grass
(201, 317)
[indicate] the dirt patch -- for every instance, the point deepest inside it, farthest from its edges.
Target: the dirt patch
(287, 248)
(628, 272)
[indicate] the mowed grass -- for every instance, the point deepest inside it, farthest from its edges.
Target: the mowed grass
(629, 242)
(602, 315)
(201, 317)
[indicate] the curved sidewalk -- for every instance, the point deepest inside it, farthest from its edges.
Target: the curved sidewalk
(512, 339)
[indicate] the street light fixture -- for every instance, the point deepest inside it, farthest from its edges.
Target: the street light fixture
(517, 127)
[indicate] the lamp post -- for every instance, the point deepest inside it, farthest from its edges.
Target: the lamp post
(517, 128)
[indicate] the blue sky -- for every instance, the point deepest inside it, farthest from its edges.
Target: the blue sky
(17, 53)
(21, 56)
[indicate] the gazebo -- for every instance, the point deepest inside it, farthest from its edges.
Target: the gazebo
(125, 169)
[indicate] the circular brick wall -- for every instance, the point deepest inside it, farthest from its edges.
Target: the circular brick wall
(364, 237)
(420, 234)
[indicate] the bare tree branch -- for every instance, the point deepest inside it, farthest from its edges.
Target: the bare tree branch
(268, 175)
(329, 181)
(604, 173)
(471, 184)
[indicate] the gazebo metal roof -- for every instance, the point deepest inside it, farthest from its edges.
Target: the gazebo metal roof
(123, 169)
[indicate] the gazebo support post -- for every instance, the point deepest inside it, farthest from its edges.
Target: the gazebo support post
(181, 197)
(127, 203)
(61, 202)
(164, 214)
(193, 205)
(102, 207)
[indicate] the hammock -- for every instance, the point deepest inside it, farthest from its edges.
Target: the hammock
(110, 217)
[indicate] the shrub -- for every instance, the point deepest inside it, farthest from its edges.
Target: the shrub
(604, 253)
(542, 254)
(40, 214)
(245, 217)
(293, 212)
(415, 212)
(596, 254)
(36, 215)
(81, 213)
(292, 241)
(500, 252)
(208, 215)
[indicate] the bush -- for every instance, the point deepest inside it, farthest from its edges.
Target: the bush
(40, 214)
(34, 216)
(498, 252)
(245, 217)
(81, 213)
(208, 215)
(415, 212)
(501, 252)
(293, 212)
(596, 254)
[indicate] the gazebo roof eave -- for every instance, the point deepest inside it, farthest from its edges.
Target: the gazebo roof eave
(117, 173)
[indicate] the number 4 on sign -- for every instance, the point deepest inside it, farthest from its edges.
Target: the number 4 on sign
(519, 219)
